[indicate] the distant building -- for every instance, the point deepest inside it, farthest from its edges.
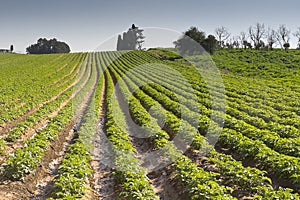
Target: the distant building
(5, 51)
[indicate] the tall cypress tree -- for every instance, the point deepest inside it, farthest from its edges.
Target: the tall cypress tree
(132, 39)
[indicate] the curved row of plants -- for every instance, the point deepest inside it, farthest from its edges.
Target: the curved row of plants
(72, 176)
(256, 178)
(30, 88)
(24, 160)
(196, 182)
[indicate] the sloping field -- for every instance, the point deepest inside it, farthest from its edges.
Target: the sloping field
(148, 125)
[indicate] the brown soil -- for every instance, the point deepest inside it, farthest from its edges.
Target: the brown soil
(39, 185)
(5, 128)
(165, 185)
(29, 133)
(162, 181)
(24, 190)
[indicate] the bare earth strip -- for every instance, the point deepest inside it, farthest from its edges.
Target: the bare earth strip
(102, 161)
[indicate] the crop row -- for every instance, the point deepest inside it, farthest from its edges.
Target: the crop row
(197, 182)
(33, 93)
(172, 124)
(74, 170)
(24, 160)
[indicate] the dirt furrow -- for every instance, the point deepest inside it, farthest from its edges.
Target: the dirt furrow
(158, 178)
(13, 146)
(102, 160)
(38, 185)
(44, 186)
(5, 128)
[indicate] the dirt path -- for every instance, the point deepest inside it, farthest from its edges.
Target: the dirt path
(102, 159)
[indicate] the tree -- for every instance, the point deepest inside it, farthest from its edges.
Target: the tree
(243, 39)
(194, 42)
(222, 35)
(283, 35)
(297, 35)
(210, 44)
(256, 33)
(119, 43)
(190, 42)
(235, 42)
(286, 46)
(44, 46)
(133, 39)
(271, 38)
(11, 48)
(249, 45)
(140, 38)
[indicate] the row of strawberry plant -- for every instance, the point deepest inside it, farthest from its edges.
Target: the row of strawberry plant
(14, 93)
(267, 113)
(272, 139)
(166, 74)
(49, 107)
(10, 104)
(282, 145)
(285, 128)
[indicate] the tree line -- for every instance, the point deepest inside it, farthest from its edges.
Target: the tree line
(258, 37)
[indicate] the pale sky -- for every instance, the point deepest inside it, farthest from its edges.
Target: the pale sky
(85, 24)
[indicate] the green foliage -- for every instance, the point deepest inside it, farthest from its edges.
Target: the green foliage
(237, 174)
(194, 42)
(44, 46)
(2, 146)
(261, 121)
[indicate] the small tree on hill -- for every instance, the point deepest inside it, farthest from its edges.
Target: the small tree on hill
(11, 48)
(297, 35)
(256, 33)
(222, 35)
(133, 39)
(286, 46)
(210, 44)
(243, 39)
(271, 38)
(283, 35)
